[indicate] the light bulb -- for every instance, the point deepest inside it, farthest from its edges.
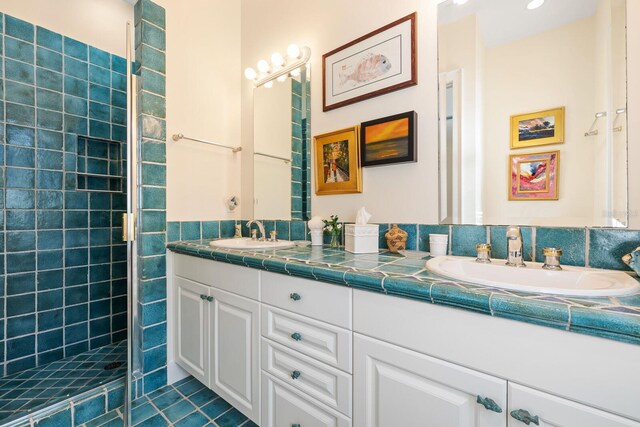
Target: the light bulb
(282, 78)
(269, 84)
(293, 51)
(460, 2)
(295, 73)
(277, 60)
(263, 66)
(250, 73)
(534, 4)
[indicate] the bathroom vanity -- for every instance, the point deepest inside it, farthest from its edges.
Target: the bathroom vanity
(298, 338)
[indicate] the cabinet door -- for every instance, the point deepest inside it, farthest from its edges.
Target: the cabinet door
(553, 411)
(192, 328)
(234, 351)
(283, 406)
(394, 386)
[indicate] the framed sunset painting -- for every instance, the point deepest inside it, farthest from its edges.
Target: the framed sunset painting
(539, 128)
(389, 140)
(534, 176)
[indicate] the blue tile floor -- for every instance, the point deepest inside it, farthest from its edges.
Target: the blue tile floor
(30, 390)
(186, 403)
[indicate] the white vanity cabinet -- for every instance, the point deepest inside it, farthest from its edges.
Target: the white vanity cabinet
(547, 410)
(306, 353)
(418, 364)
(217, 330)
(400, 387)
(288, 351)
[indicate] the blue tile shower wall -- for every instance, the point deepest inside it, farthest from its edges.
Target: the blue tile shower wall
(593, 247)
(152, 304)
(63, 269)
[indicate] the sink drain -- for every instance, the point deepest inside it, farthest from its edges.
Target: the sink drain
(112, 365)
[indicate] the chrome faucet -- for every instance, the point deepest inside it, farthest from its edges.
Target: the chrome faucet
(260, 227)
(514, 247)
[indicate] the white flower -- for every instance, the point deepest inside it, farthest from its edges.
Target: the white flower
(329, 228)
(339, 226)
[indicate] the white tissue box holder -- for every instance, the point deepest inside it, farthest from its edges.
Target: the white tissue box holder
(361, 239)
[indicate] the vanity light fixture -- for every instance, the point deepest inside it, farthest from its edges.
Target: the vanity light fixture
(280, 67)
(534, 4)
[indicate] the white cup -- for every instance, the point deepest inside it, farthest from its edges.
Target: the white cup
(438, 248)
(316, 237)
(438, 237)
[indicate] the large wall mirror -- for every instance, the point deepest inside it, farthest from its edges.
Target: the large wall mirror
(533, 101)
(281, 158)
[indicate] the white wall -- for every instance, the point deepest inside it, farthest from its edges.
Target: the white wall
(460, 48)
(401, 193)
(272, 131)
(633, 103)
(100, 23)
(203, 101)
(527, 76)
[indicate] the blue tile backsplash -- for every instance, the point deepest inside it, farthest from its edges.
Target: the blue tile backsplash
(604, 249)
(63, 266)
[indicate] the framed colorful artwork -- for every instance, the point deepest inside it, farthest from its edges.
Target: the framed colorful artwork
(389, 140)
(534, 176)
(539, 128)
(337, 162)
(374, 64)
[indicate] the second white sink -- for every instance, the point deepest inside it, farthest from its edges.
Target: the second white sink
(571, 281)
(246, 243)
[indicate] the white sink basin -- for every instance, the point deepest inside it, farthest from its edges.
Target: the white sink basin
(573, 281)
(246, 243)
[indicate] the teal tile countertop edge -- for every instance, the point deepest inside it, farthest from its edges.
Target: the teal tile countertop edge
(616, 318)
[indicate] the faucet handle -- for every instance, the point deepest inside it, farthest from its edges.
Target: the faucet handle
(484, 253)
(254, 234)
(273, 236)
(552, 258)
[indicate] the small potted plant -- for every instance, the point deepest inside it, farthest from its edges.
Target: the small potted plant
(333, 228)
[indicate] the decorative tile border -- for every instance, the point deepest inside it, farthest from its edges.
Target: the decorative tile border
(614, 318)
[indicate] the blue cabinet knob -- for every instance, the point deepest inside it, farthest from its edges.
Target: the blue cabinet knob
(295, 296)
(296, 336)
(209, 299)
(489, 404)
(203, 297)
(295, 375)
(525, 417)
(295, 425)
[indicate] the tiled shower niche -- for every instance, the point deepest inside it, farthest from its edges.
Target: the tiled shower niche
(99, 165)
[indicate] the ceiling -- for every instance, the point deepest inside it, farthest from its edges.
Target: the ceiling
(504, 21)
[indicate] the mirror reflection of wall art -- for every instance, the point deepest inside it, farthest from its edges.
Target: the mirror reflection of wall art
(534, 176)
(374, 64)
(389, 140)
(337, 162)
(539, 128)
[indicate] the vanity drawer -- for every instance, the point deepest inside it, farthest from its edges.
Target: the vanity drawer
(285, 406)
(231, 278)
(324, 342)
(321, 382)
(322, 301)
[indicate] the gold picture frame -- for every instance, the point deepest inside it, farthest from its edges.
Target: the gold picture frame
(538, 128)
(337, 161)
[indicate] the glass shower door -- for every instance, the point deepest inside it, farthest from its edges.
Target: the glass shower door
(129, 231)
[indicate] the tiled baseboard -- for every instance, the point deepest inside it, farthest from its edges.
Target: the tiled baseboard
(589, 246)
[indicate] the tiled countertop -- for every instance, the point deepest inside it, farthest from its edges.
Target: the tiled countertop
(615, 318)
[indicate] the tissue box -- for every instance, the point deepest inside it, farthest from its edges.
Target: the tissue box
(361, 239)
